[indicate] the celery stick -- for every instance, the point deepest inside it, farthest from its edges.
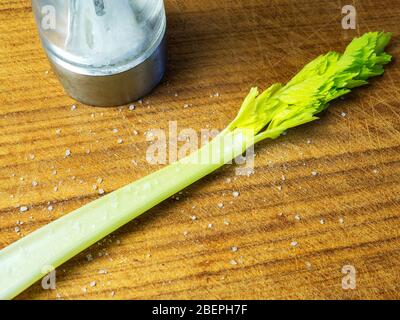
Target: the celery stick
(262, 116)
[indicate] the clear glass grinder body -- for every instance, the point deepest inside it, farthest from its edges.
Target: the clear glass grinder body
(105, 52)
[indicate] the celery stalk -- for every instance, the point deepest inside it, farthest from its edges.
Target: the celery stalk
(22, 263)
(262, 116)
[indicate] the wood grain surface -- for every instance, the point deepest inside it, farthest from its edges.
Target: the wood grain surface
(346, 213)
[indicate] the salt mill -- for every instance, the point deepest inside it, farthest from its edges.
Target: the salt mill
(105, 52)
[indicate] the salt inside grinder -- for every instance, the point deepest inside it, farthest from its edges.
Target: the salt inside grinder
(105, 52)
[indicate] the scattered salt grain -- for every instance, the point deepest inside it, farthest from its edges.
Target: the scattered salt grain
(73, 108)
(233, 262)
(58, 131)
(185, 233)
(50, 208)
(120, 141)
(234, 249)
(341, 220)
(194, 218)
(115, 130)
(32, 156)
(297, 217)
(93, 284)
(101, 191)
(235, 194)
(103, 271)
(210, 225)
(89, 257)
(343, 114)
(322, 221)
(220, 205)
(17, 229)
(294, 243)
(132, 107)
(23, 209)
(67, 153)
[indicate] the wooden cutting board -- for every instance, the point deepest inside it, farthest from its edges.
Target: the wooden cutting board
(346, 214)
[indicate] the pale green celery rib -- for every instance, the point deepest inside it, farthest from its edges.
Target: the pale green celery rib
(24, 262)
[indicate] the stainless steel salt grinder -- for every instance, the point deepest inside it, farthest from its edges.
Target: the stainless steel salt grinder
(105, 52)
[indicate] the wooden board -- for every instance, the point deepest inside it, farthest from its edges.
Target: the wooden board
(217, 51)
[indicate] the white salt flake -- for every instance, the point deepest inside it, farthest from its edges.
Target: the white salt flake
(294, 243)
(93, 284)
(23, 209)
(235, 194)
(101, 191)
(67, 153)
(234, 249)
